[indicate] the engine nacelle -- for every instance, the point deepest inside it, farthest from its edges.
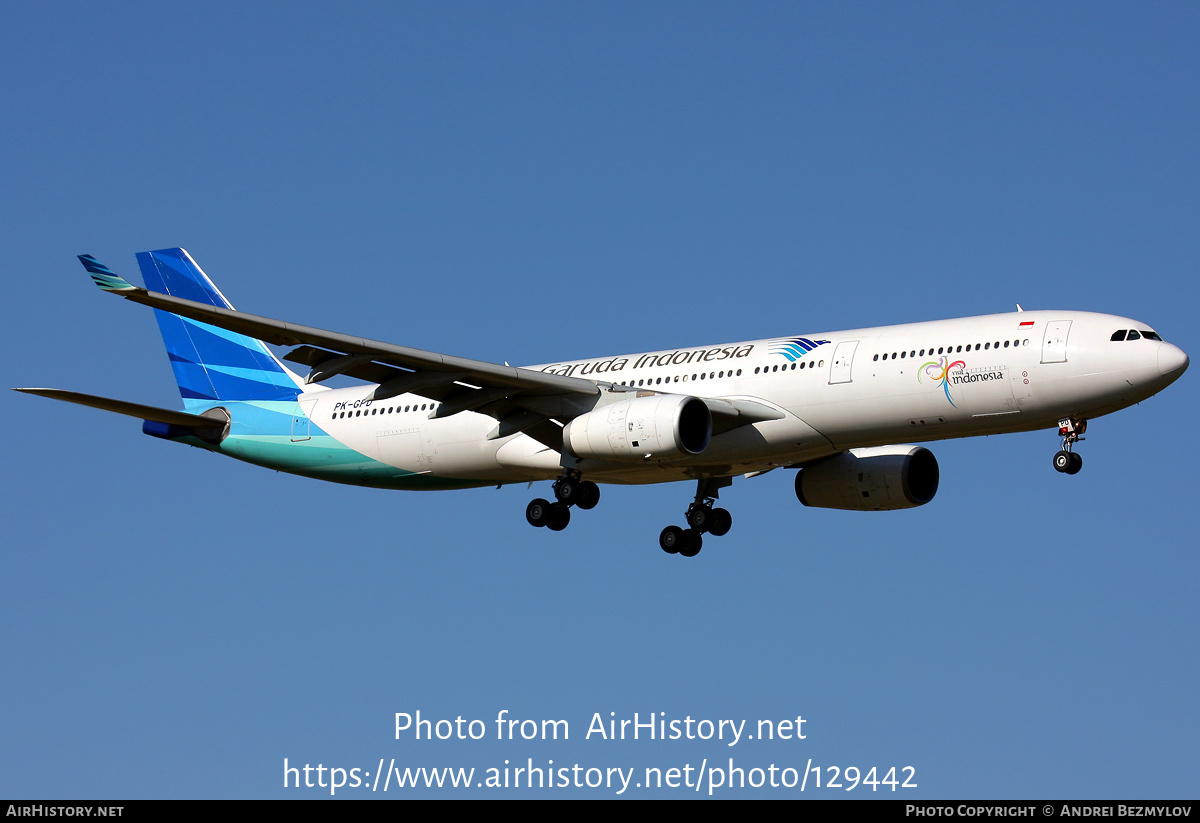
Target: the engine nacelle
(878, 479)
(645, 428)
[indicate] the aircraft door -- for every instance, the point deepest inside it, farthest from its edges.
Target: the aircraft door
(1054, 344)
(843, 360)
(301, 420)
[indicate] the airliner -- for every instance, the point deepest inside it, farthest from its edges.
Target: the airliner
(832, 405)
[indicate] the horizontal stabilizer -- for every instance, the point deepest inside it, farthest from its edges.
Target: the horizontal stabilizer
(173, 418)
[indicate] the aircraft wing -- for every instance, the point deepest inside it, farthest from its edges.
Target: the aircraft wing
(329, 353)
(521, 398)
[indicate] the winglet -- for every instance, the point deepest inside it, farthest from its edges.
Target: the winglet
(105, 277)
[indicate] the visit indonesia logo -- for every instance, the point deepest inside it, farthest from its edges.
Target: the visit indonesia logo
(939, 372)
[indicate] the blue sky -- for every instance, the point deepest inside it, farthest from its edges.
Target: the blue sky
(540, 182)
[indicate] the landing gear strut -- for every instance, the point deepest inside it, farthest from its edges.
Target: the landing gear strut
(701, 517)
(1071, 430)
(569, 490)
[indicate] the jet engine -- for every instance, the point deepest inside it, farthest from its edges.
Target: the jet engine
(645, 428)
(876, 479)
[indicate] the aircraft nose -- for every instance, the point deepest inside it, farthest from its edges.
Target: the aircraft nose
(1171, 360)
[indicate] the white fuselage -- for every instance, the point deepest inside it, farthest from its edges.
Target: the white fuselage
(833, 391)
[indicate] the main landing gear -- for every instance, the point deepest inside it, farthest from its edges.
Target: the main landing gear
(701, 517)
(1071, 430)
(569, 490)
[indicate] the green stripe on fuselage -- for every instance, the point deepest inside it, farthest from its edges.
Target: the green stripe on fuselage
(325, 458)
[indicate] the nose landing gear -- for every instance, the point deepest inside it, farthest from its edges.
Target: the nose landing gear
(1071, 430)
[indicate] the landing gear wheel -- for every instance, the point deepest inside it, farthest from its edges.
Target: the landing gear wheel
(589, 495)
(671, 539)
(568, 490)
(693, 545)
(538, 512)
(722, 522)
(1062, 461)
(1074, 464)
(700, 518)
(560, 516)
(1071, 430)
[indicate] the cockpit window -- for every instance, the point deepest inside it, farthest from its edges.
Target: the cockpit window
(1150, 335)
(1133, 335)
(1118, 335)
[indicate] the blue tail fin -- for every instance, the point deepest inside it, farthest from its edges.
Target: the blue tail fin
(210, 363)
